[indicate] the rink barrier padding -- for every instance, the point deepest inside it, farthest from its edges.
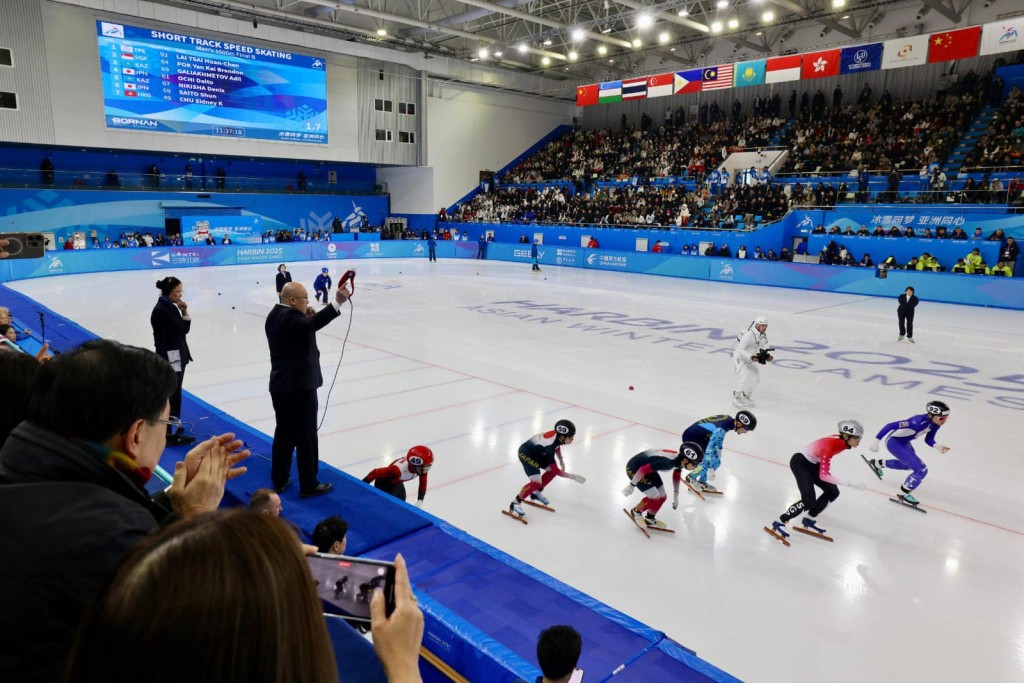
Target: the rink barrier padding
(483, 608)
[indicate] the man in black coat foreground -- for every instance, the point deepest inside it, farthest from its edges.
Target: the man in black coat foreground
(295, 376)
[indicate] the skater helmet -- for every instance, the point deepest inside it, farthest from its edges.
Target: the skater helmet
(420, 458)
(851, 428)
(937, 408)
(747, 420)
(565, 428)
(691, 452)
(323, 270)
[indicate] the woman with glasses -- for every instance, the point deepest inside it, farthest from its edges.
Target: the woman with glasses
(171, 323)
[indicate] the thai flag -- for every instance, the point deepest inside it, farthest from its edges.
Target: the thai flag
(634, 89)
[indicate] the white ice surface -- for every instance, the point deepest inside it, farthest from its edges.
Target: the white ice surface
(899, 596)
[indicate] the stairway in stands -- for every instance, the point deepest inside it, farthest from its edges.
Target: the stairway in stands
(969, 140)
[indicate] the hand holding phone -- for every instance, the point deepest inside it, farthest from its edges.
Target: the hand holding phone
(348, 584)
(397, 637)
(19, 245)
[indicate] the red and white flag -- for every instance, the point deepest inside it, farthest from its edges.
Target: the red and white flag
(659, 86)
(782, 69)
(820, 64)
(634, 89)
(718, 77)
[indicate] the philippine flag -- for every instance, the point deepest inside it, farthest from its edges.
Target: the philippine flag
(688, 81)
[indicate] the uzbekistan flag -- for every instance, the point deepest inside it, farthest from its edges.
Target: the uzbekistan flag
(610, 92)
(687, 81)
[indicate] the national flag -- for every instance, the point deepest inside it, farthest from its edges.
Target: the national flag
(127, 48)
(860, 59)
(1002, 36)
(586, 95)
(950, 45)
(128, 72)
(687, 81)
(610, 92)
(127, 55)
(820, 64)
(717, 77)
(130, 93)
(750, 73)
(782, 69)
(901, 52)
(659, 86)
(634, 89)
(129, 86)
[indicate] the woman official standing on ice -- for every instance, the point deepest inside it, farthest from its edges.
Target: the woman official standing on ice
(171, 322)
(751, 349)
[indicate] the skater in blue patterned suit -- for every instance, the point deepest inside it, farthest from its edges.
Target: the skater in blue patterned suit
(709, 434)
(899, 437)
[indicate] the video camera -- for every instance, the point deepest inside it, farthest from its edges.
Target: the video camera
(764, 355)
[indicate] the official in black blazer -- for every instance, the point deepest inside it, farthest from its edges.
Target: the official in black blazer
(294, 378)
(171, 322)
(283, 277)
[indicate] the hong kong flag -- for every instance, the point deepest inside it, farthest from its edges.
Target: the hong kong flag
(130, 93)
(945, 47)
(820, 64)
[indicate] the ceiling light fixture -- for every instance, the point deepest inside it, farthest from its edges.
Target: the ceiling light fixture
(498, 53)
(602, 50)
(768, 17)
(573, 56)
(716, 27)
(547, 42)
(644, 21)
(683, 12)
(483, 53)
(664, 37)
(382, 32)
(838, 3)
(523, 49)
(637, 42)
(734, 23)
(723, 4)
(546, 61)
(578, 34)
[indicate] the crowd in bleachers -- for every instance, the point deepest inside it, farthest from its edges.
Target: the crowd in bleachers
(889, 134)
(841, 254)
(941, 232)
(675, 149)
(1002, 145)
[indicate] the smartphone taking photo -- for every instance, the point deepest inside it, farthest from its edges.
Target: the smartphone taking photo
(346, 584)
(24, 244)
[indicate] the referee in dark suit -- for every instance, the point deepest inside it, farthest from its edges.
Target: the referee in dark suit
(294, 378)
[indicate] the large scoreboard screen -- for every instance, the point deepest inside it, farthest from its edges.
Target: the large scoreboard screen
(156, 80)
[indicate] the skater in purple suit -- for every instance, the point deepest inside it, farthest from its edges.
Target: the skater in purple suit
(899, 437)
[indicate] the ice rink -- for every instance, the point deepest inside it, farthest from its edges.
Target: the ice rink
(472, 358)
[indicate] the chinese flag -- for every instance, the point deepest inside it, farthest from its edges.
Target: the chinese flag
(945, 47)
(586, 95)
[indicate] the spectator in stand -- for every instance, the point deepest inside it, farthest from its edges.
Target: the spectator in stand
(958, 234)
(724, 251)
(785, 255)
(866, 261)
(7, 319)
(75, 471)
(331, 535)
(266, 502)
(741, 252)
(238, 580)
(997, 236)
(558, 652)
(593, 244)
(1009, 251)
(656, 249)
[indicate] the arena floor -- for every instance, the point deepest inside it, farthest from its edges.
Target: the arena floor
(473, 358)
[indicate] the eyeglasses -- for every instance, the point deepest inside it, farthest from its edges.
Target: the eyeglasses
(172, 421)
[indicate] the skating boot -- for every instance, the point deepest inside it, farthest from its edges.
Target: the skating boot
(900, 339)
(748, 400)
(876, 467)
(809, 524)
(516, 508)
(737, 399)
(780, 529)
(653, 523)
(540, 498)
(908, 499)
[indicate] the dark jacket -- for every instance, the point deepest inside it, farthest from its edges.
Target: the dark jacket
(283, 279)
(294, 356)
(907, 307)
(169, 330)
(66, 518)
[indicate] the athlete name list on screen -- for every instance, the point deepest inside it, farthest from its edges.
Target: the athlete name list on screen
(163, 81)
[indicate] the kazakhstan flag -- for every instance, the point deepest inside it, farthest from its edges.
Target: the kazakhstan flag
(749, 73)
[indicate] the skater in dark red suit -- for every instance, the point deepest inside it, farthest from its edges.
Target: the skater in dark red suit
(811, 467)
(391, 479)
(642, 470)
(541, 457)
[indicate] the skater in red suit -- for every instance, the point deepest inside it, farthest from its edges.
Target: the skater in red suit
(642, 470)
(541, 457)
(391, 479)
(811, 467)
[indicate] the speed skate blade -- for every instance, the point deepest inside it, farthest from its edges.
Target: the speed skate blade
(539, 505)
(776, 537)
(514, 516)
(642, 527)
(908, 505)
(664, 530)
(868, 463)
(694, 490)
(814, 533)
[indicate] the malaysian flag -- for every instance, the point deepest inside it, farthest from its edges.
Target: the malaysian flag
(718, 77)
(634, 89)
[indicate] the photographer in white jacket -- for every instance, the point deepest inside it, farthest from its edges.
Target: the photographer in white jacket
(750, 351)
